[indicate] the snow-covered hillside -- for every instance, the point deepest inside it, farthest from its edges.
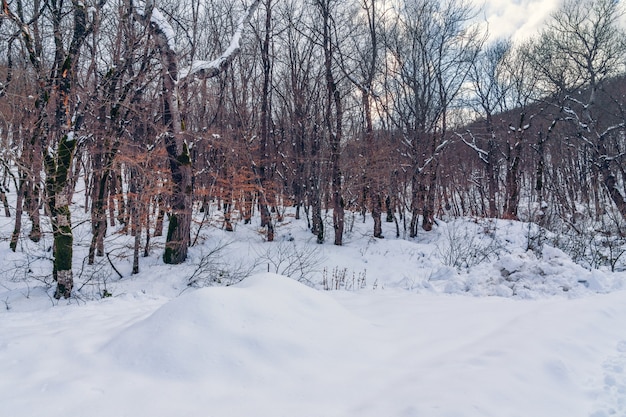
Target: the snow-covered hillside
(462, 321)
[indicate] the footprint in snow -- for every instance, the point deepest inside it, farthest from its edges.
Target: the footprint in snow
(611, 400)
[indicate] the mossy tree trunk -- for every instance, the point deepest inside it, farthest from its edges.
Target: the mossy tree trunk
(59, 163)
(57, 169)
(179, 228)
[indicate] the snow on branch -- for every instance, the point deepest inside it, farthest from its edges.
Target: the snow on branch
(435, 154)
(482, 154)
(164, 27)
(209, 69)
(611, 129)
(159, 22)
(617, 157)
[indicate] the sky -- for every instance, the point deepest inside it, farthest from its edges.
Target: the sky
(519, 19)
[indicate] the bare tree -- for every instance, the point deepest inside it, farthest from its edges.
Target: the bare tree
(299, 72)
(432, 46)
(266, 122)
(179, 229)
(360, 59)
(585, 45)
(333, 115)
(490, 91)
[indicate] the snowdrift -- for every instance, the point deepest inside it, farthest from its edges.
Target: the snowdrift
(265, 326)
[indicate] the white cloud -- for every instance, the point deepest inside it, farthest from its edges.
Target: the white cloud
(518, 19)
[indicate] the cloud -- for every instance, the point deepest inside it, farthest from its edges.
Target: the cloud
(517, 19)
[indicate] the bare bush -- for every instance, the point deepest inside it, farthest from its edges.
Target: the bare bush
(340, 279)
(214, 269)
(592, 244)
(287, 258)
(468, 244)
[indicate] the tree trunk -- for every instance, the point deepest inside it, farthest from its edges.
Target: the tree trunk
(265, 192)
(146, 248)
(389, 209)
(416, 199)
(102, 171)
(376, 215)
(334, 111)
(19, 205)
(59, 168)
(315, 198)
(512, 186)
(492, 176)
(5, 202)
(34, 190)
(59, 206)
(179, 228)
(429, 200)
(135, 210)
(314, 191)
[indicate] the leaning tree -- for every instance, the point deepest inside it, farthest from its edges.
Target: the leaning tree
(173, 76)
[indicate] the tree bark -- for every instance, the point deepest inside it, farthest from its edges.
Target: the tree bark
(179, 227)
(59, 205)
(334, 112)
(264, 169)
(512, 186)
(19, 207)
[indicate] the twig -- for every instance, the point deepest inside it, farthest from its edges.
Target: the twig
(113, 266)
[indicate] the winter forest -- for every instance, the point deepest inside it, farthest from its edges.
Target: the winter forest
(398, 110)
(311, 207)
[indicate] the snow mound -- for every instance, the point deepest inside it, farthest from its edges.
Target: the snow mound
(555, 273)
(266, 324)
(522, 274)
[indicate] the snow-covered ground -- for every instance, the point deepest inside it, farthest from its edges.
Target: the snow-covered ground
(462, 321)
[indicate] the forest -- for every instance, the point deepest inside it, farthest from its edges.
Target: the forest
(150, 116)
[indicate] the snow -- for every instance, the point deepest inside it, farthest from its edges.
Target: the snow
(514, 333)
